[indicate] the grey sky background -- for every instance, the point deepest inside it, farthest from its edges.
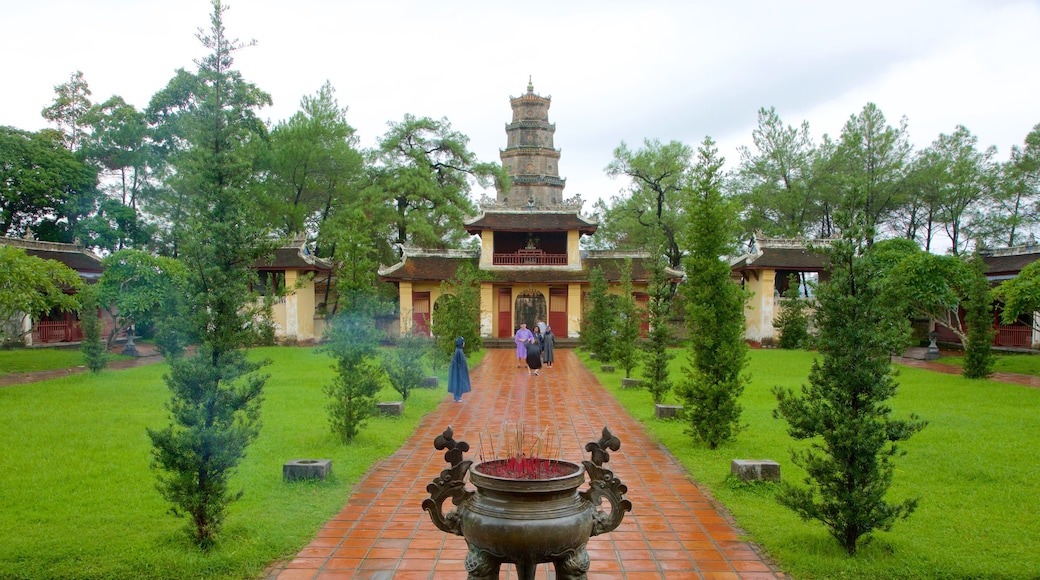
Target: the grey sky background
(616, 70)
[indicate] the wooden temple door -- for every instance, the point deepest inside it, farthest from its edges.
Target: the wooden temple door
(558, 311)
(505, 312)
(421, 313)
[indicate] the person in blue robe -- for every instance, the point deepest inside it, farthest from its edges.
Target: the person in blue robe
(458, 372)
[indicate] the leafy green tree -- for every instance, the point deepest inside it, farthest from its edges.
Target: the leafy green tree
(137, 287)
(966, 180)
(793, 319)
(315, 168)
(71, 104)
(629, 323)
(978, 317)
(356, 257)
(1017, 198)
(921, 284)
(1021, 296)
(869, 165)
(31, 286)
(658, 173)
(216, 394)
(457, 312)
(844, 410)
(713, 380)
(44, 188)
(405, 365)
(92, 346)
(918, 218)
(352, 339)
(776, 181)
(599, 317)
(423, 169)
(120, 146)
(654, 355)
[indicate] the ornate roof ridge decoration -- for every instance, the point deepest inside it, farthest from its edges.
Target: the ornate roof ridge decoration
(762, 241)
(32, 244)
(488, 205)
(416, 251)
(617, 254)
(1027, 248)
(573, 203)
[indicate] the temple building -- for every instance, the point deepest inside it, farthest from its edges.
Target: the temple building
(529, 244)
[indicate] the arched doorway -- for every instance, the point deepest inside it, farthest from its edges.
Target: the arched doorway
(530, 308)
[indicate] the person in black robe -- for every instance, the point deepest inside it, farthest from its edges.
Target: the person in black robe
(534, 356)
(548, 344)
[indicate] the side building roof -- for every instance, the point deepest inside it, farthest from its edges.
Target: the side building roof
(522, 220)
(433, 265)
(83, 261)
(294, 256)
(782, 254)
(1006, 263)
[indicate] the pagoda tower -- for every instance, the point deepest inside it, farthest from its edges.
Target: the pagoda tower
(530, 158)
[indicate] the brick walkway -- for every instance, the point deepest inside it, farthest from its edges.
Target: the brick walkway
(674, 531)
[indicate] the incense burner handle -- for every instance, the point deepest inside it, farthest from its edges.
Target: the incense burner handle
(603, 484)
(449, 484)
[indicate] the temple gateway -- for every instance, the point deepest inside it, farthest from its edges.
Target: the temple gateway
(529, 244)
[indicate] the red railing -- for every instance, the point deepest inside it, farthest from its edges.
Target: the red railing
(1017, 335)
(529, 258)
(57, 331)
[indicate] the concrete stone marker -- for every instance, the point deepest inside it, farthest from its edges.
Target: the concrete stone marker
(667, 411)
(298, 469)
(428, 383)
(606, 368)
(592, 356)
(627, 383)
(392, 408)
(755, 469)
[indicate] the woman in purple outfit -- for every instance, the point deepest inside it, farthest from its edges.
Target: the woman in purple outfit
(521, 338)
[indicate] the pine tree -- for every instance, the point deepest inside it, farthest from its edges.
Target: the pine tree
(654, 356)
(216, 394)
(978, 317)
(457, 312)
(844, 410)
(92, 346)
(713, 380)
(599, 317)
(352, 339)
(629, 322)
(793, 319)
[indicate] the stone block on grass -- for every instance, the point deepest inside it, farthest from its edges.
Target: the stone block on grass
(428, 383)
(606, 368)
(755, 469)
(627, 383)
(395, 408)
(667, 411)
(302, 469)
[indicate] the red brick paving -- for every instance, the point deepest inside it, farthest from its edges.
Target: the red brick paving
(674, 531)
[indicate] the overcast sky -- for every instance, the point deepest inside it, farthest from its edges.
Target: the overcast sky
(616, 70)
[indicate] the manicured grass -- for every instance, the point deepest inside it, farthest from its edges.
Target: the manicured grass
(1026, 364)
(79, 500)
(28, 360)
(973, 467)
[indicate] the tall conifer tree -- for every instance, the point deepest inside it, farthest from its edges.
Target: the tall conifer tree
(714, 380)
(216, 393)
(844, 410)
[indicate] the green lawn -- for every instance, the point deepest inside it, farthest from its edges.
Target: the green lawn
(973, 466)
(79, 500)
(28, 360)
(1026, 364)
